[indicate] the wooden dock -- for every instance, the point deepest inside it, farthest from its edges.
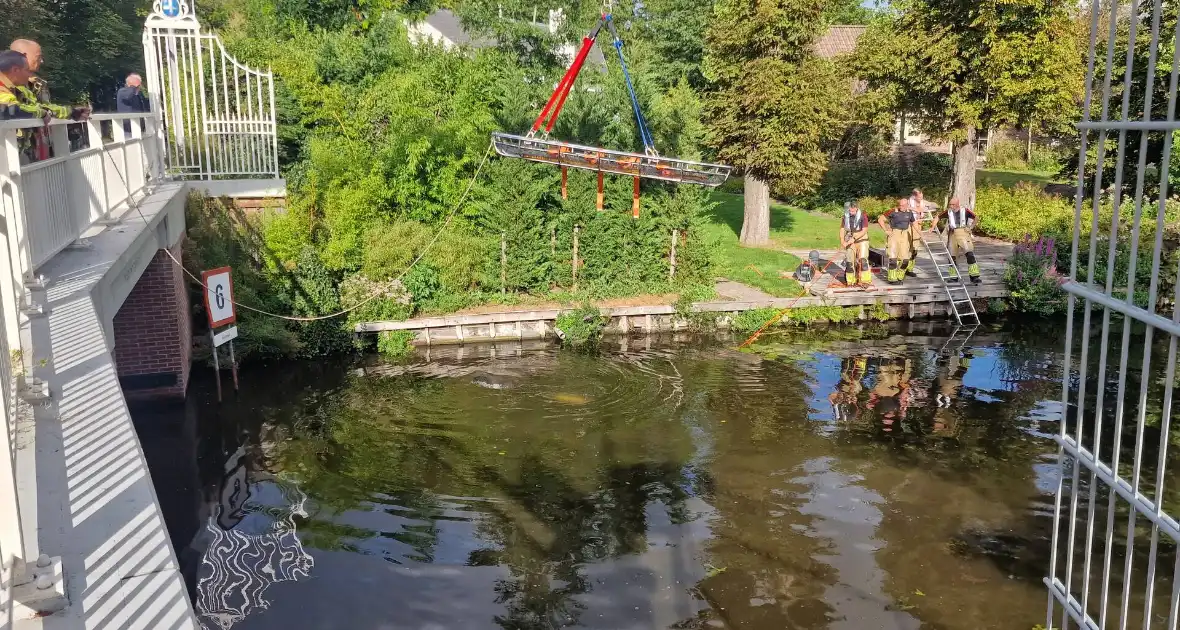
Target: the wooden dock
(921, 297)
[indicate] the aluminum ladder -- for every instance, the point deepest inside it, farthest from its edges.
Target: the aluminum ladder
(955, 286)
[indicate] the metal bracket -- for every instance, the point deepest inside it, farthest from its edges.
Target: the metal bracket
(38, 588)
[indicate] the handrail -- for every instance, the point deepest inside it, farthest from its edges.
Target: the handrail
(57, 200)
(36, 123)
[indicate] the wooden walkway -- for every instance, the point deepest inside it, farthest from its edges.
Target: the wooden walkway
(919, 297)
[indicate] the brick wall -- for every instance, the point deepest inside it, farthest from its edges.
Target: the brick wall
(153, 332)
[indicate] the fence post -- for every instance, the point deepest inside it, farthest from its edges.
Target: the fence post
(503, 263)
(672, 258)
(94, 135)
(575, 271)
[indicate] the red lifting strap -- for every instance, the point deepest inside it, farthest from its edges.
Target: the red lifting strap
(557, 99)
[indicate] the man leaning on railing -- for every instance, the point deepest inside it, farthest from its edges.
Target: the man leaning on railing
(25, 95)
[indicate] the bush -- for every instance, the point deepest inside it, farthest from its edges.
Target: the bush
(1007, 155)
(874, 207)
(1032, 278)
(581, 326)
(395, 343)
(880, 178)
(1013, 213)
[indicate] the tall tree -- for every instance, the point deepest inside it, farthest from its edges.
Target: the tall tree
(770, 100)
(849, 12)
(960, 66)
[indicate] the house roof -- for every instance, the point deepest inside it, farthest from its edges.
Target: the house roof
(447, 23)
(839, 40)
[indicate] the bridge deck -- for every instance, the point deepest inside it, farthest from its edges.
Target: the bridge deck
(79, 459)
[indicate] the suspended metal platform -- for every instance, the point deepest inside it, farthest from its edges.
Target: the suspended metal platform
(608, 161)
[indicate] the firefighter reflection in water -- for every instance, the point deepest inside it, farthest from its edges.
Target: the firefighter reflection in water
(891, 395)
(845, 399)
(949, 386)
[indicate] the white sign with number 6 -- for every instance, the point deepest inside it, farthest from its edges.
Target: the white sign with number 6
(219, 296)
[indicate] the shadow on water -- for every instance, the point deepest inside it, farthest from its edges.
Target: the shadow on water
(893, 477)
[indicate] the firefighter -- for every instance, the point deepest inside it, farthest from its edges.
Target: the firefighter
(854, 238)
(960, 221)
(918, 205)
(16, 101)
(35, 142)
(891, 393)
(949, 385)
(847, 392)
(897, 223)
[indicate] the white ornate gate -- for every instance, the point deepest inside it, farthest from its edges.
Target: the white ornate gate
(218, 115)
(1114, 560)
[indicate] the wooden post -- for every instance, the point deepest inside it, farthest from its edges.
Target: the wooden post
(553, 244)
(635, 200)
(575, 269)
(672, 258)
(601, 195)
(503, 263)
(216, 364)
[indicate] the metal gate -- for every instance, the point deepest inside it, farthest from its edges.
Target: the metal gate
(1114, 561)
(218, 115)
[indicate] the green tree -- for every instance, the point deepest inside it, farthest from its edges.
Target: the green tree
(956, 67)
(771, 100)
(849, 12)
(89, 45)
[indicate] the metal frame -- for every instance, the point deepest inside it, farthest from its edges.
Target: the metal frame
(1072, 598)
(609, 161)
(218, 114)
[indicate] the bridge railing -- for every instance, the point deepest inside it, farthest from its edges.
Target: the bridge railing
(94, 170)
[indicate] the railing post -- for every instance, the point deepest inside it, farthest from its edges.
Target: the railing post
(94, 134)
(136, 139)
(20, 248)
(154, 147)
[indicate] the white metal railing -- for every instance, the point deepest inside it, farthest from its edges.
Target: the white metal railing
(218, 114)
(51, 203)
(1113, 538)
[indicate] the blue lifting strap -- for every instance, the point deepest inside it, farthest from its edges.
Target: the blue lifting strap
(644, 133)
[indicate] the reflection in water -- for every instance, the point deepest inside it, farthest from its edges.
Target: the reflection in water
(250, 544)
(884, 481)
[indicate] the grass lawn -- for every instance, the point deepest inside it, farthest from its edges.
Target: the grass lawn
(1009, 179)
(790, 228)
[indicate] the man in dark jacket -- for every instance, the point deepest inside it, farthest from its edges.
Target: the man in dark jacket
(130, 99)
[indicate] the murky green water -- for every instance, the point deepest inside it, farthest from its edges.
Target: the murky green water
(898, 482)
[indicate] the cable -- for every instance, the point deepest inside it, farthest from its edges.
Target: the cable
(291, 318)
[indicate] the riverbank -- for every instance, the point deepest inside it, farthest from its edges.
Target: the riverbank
(826, 299)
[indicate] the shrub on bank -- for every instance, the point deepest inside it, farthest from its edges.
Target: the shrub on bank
(580, 327)
(1032, 278)
(1012, 213)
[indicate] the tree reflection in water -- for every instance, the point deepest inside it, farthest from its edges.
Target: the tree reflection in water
(821, 483)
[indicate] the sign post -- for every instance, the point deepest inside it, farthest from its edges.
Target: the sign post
(219, 307)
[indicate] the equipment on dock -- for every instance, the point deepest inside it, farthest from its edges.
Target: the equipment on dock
(962, 306)
(647, 165)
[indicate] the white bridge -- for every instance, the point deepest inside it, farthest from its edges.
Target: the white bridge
(82, 539)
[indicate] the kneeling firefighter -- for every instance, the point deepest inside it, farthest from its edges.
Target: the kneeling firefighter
(896, 224)
(960, 221)
(854, 238)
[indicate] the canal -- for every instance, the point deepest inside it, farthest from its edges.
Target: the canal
(895, 478)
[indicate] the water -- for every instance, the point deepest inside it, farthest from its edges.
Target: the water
(896, 481)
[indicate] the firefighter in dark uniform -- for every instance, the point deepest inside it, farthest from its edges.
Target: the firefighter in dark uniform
(959, 223)
(890, 396)
(897, 223)
(854, 238)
